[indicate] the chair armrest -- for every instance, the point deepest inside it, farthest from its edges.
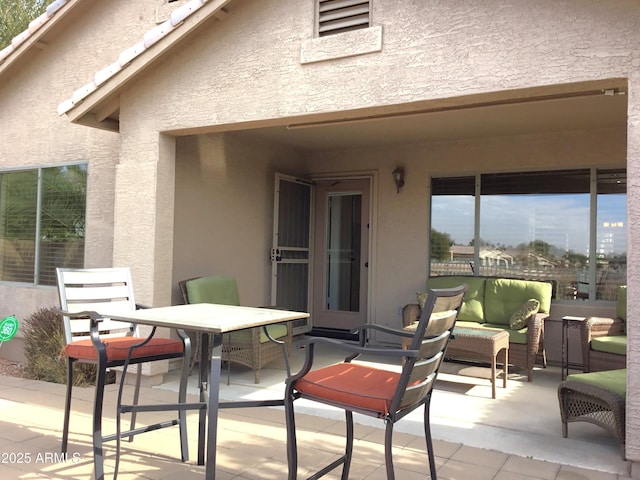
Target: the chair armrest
(363, 330)
(352, 349)
(90, 314)
(381, 328)
(410, 313)
(535, 329)
(594, 327)
(94, 319)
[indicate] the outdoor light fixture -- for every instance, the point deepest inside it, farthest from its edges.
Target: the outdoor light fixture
(398, 178)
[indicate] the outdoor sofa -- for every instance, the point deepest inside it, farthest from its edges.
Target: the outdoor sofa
(492, 302)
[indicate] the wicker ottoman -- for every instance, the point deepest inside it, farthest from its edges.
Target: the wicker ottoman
(598, 398)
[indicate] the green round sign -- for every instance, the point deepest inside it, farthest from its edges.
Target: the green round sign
(8, 328)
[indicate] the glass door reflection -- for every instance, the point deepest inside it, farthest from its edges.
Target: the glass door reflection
(343, 252)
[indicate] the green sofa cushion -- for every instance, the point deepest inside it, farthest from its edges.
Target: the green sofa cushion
(515, 336)
(213, 289)
(467, 324)
(614, 344)
(471, 309)
(503, 296)
(612, 380)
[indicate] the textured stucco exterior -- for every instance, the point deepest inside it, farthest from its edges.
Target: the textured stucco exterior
(182, 191)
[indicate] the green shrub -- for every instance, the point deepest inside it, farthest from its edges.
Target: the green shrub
(44, 350)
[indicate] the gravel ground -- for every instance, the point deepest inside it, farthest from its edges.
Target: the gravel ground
(10, 368)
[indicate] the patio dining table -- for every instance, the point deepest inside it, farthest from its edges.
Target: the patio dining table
(212, 320)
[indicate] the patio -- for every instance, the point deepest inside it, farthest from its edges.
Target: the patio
(516, 436)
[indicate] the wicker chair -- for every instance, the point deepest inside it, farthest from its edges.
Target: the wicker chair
(604, 340)
(251, 348)
(597, 398)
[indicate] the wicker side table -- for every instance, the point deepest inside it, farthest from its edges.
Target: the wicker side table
(483, 344)
(479, 344)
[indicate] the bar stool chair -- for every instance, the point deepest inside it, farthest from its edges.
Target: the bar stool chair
(92, 337)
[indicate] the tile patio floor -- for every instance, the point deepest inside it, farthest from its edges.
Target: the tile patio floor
(251, 442)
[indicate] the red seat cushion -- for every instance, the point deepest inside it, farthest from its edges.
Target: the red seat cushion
(118, 348)
(352, 384)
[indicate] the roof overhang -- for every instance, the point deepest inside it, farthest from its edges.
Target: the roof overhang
(97, 104)
(41, 30)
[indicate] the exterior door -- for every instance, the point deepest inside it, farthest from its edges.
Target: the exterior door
(290, 255)
(341, 254)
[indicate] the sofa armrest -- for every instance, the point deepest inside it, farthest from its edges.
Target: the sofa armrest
(535, 331)
(535, 328)
(410, 313)
(594, 327)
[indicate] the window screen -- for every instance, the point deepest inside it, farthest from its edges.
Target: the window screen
(42, 222)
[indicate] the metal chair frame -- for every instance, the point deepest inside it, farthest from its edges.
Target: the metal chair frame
(420, 364)
(81, 292)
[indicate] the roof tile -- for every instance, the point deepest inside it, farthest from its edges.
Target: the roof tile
(127, 56)
(54, 6)
(106, 73)
(34, 26)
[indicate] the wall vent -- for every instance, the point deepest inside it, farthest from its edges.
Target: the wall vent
(337, 16)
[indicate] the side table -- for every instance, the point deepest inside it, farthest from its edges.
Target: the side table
(568, 321)
(482, 344)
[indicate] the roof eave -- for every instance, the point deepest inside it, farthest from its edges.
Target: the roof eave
(95, 107)
(35, 35)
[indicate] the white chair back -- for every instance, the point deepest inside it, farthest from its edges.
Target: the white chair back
(103, 290)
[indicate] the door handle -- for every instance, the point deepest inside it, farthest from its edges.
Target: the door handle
(276, 255)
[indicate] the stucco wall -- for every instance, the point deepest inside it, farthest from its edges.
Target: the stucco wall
(633, 273)
(224, 210)
(247, 66)
(34, 135)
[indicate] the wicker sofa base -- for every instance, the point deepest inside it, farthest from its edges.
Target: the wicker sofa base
(581, 402)
(600, 361)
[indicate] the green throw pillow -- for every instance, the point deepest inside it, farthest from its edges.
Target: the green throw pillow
(422, 298)
(518, 318)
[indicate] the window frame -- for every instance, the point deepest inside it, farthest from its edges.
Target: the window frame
(462, 185)
(38, 240)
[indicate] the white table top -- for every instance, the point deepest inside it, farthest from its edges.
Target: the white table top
(208, 317)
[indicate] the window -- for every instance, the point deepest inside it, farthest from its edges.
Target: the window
(337, 16)
(567, 226)
(42, 222)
